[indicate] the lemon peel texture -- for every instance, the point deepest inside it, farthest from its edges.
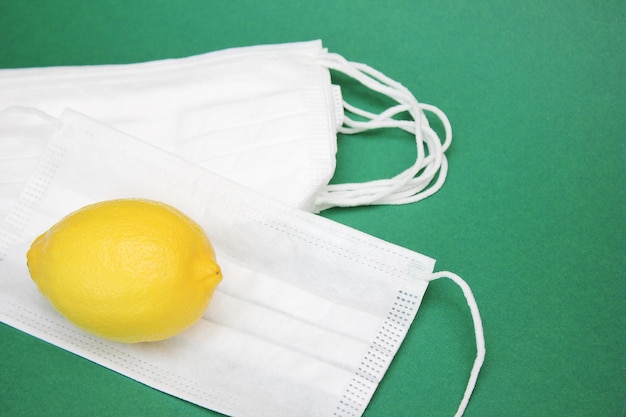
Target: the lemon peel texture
(128, 270)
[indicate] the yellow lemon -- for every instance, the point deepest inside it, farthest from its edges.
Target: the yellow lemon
(127, 270)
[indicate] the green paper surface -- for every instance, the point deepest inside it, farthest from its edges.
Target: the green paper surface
(532, 215)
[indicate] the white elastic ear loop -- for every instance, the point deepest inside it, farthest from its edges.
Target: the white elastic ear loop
(478, 332)
(363, 193)
(413, 189)
(410, 185)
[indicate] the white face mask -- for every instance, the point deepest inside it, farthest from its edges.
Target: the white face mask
(305, 322)
(264, 116)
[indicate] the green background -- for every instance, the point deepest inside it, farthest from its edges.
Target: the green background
(532, 213)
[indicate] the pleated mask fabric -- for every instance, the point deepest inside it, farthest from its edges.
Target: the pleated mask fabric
(308, 316)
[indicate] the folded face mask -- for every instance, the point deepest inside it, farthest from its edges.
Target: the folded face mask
(305, 322)
(264, 116)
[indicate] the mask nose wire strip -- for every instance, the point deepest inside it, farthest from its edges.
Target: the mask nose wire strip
(478, 332)
(409, 185)
(56, 123)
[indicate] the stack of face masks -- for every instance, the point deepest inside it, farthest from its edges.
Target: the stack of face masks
(310, 313)
(264, 116)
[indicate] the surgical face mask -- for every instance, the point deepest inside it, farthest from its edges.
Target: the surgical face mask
(305, 322)
(264, 116)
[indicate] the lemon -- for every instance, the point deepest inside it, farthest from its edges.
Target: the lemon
(127, 270)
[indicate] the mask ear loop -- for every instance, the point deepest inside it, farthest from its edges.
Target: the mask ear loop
(425, 177)
(478, 332)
